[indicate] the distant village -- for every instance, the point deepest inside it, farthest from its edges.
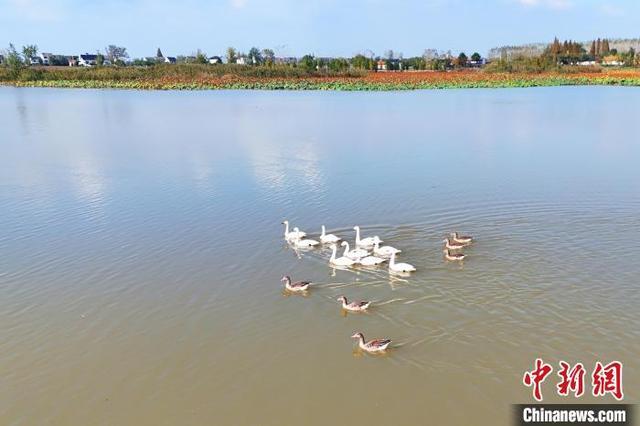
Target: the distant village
(597, 52)
(390, 62)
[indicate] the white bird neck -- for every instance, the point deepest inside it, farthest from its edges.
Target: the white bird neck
(286, 228)
(346, 248)
(357, 234)
(333, 253)
(392, 261)
(323, 231)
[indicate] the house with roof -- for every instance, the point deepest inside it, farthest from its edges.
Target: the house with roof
(477, 64)
(612, 61)
(215, 60)
(45, 58)
(34, 60)
(241, 60)
(87, 60)
(381, 65)
(170, 60)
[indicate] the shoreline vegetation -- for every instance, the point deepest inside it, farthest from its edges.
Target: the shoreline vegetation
(568, 63)
(206, 77)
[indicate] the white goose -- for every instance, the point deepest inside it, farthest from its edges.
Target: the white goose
(340, 261)
(370, 261)
(365, 242)
(328, 238)
(355, 253)
(384, 251)
(295, 234)
(399, 267)
(303, 243)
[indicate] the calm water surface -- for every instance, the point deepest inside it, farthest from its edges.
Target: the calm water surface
(141, 251)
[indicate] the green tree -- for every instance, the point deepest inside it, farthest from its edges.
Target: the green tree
(338, 64)
(415, 63)
(462, 59)
(232, 55)
(99, 59)
(113, 53)
(268, 56)
(201, 57)
(59, 60)
(393, 64)
(476, 57)
(13, 62)
(555, 49)
(321, 64)
(308, 63)
(630, 57)
(255, 57)
(361, 62)
(440, 64)
(29, 51)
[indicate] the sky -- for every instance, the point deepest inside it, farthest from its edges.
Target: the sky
(298, 27)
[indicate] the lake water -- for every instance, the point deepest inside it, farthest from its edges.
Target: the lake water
(141, 251)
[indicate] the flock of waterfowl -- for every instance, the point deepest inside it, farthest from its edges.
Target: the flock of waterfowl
(366, 252)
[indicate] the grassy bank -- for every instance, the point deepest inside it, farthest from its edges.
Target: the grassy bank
(204, 77)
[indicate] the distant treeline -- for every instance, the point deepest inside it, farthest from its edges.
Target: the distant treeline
(562, 56)
(537, 49)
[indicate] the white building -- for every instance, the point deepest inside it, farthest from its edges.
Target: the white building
(45, 58)
(87, 60)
